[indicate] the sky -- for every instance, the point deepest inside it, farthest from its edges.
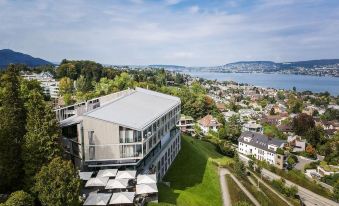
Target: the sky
(180, 32)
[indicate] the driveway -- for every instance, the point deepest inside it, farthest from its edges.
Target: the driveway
(303, 161)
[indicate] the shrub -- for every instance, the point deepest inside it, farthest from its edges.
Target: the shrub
(19, 198)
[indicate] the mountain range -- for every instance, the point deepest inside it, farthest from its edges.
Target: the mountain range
(8, 56)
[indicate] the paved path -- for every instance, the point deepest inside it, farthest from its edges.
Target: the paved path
(309, 198)
(224, 189)
(241, 186)
(270, 188)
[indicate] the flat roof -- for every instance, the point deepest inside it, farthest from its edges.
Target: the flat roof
(135, 110)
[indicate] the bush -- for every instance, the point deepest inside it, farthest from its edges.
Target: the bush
(19, 198)
(226, 149)
(281, 187)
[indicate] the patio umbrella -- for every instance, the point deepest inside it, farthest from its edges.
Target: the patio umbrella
(122, 198)
(127, 174)
(97, 182)
(146, 188)
(117, 184)
(98, 199)
(147, 179)
(107, 173)
(85, 175)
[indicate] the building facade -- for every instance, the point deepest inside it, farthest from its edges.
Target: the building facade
(135, 129)
(261, 147)
(186, 124)
(49, 85)
(208, 123)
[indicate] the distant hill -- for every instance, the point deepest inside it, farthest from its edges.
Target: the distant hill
(269, 66)
(311, 63)
(8, 56)
(167, 67)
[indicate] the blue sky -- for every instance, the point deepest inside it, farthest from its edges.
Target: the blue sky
(182, 32)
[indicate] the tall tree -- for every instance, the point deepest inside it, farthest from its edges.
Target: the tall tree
(58, 183)
(12, 130)
(302, 123)
(40, 143)
(66, 86)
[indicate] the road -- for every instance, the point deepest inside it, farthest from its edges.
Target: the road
(309, 198)
(224, 189)
(240, 185)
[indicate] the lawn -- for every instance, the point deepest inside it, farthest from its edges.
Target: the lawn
(236, 194)
(193, 176)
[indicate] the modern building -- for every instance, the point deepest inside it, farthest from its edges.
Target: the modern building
(186, 124)
(261, 147)
(208, 123)
(48, 83)
(132, 129)
(252, 126)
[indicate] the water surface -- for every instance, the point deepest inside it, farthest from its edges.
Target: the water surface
(278, 81)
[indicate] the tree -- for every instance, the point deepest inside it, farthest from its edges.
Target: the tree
(251, 164)
(336, 191)
(302, 123)
(58, 183)
(19, 198)
(123, 81)
(315, 136)
(40, 143)
(311, 151)
(294, 104)
(233, 128)
(65, 86)
(105, 86)
(83, 85)
(12, 130)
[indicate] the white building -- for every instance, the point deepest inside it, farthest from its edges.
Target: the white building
(208, 123)
(261, 147)
(49, 85)
(252, 126)
(134, 129)
(186, 123)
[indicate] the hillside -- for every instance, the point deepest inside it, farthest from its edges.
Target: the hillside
(8, 56)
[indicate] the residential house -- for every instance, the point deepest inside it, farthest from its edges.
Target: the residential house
(296, 143)
(186, 123)
(261, 147)
(208, 123)
(252, 126)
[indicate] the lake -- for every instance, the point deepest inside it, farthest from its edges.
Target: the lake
(278, 81)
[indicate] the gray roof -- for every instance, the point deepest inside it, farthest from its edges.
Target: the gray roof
(260, 141)
(136, 110)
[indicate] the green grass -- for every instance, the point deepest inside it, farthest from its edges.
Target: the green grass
(290, 199)
(193, 175)
(236, 194)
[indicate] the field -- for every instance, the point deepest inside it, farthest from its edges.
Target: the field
(193, 176)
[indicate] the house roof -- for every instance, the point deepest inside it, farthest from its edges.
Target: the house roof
(135, 110)
(208, 121)
(259, 140)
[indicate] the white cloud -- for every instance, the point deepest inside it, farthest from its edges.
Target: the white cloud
(172, 2)
(133, 33)
(194, 9)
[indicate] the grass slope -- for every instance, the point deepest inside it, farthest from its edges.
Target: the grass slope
(236, 194)
(193, 175)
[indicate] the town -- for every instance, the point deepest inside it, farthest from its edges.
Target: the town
(135, 136)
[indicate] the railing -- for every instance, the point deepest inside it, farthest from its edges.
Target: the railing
(112, 152)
